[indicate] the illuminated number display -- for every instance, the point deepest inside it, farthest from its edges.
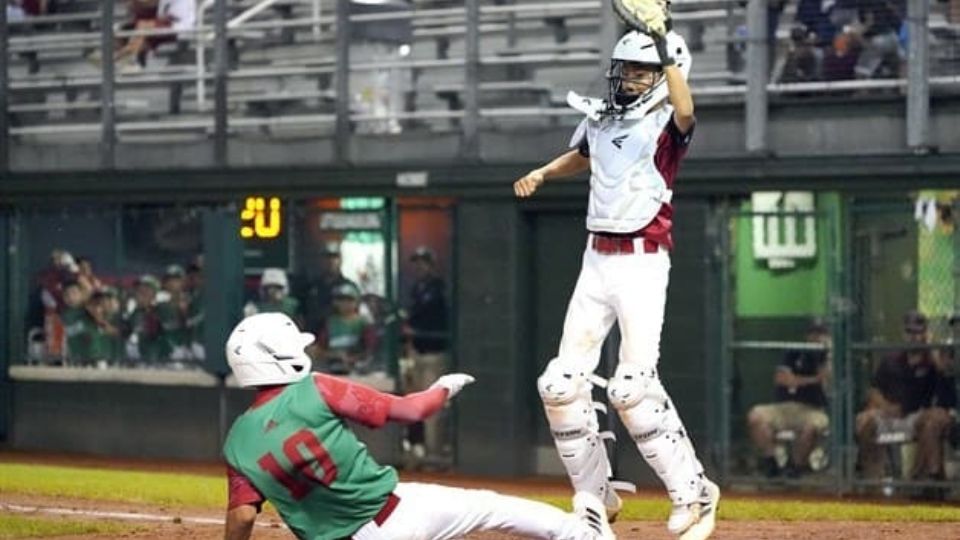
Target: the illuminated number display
(261, 217)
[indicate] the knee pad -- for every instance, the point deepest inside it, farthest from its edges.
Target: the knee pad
(655, 427)
(565, 390)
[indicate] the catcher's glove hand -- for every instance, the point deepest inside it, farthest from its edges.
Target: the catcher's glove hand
(648, 16)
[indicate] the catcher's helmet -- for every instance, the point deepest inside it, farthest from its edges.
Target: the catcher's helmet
(638, 48)
(266, 349)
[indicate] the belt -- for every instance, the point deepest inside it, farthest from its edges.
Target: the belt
(385, 512)
(620, 244)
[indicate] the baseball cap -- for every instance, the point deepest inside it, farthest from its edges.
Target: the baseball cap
(346, 290)
(174, 270)
(422, 253)
(331, 248)
(914, 322)
(818, 326)
(148, 280)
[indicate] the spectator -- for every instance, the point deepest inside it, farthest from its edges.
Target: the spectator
(86, 277)
(911, 392)
(172, 313)
(175, 15)
(840, 60)
(799, 405)
(111, 322)
(803, 57)
(880, 56)
(347, 341)
(426, 349)
(318, 296)
(195, 312)
(105, 333)
(274, 296)
(144, 343)
(78, 325)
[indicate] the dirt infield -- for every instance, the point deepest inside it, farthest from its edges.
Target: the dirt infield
(177, 523)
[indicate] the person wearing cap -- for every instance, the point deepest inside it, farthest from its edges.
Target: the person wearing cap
(912, 392)
(142, 325)
(78, 325)
(347, 341)
(274, 296)
(426, 333)
(317, 296)
(800, 405)
(172, 312)
(195, 312)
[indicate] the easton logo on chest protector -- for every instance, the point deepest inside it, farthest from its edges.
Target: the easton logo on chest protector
(618, 141)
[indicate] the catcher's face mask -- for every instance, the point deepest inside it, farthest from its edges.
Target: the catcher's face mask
(630, 81)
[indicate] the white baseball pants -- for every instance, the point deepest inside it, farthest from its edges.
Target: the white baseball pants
(434, 512)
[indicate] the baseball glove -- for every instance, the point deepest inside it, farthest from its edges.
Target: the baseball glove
(648, 16)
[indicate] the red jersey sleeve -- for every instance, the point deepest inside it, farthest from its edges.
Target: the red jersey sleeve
(241, 490)
(354, 401)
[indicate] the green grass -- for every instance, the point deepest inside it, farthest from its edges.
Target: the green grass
(198, 491)
(163, 489)
(34, 527)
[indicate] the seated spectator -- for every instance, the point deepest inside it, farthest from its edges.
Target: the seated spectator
(880, 56)
(911, 392)
(839, 61)
(176, 15)
(172, 313)
(799, 405)
(274, 296)
(347, 341)
(803, 57)
(142, 324)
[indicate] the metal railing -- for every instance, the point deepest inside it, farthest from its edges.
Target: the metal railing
(458, 80)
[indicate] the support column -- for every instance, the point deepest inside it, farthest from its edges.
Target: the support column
(758, 69)
(471, 97)
(108, 119)
(918, 73)
(221, 65)
(342, 135)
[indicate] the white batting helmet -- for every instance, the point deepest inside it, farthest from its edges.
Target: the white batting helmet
(266, 349)
(639, 48)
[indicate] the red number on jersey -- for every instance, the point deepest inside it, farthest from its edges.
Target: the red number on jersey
(305, 468)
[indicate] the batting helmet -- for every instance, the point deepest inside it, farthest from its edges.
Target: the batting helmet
(266, 349)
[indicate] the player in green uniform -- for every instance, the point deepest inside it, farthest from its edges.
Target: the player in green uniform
(293, 448)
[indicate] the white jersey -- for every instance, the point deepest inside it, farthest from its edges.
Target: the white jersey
(626, 189)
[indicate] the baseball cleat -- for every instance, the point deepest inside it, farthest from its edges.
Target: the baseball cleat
(696, 521)
(590, 510)
(612, 504)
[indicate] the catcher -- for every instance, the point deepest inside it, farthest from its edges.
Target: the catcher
(632, 142)
(293, 448)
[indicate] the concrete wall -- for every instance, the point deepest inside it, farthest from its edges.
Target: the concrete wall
(134, 420)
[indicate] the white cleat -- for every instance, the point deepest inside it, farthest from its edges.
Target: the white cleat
(696, 521)
(590, 510)
(612, 504)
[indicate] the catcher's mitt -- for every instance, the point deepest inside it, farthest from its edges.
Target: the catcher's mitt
(648, 16)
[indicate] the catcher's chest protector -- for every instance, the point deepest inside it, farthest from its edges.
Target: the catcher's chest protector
(626, 189)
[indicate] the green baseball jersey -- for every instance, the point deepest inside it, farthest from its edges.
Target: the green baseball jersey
(287, 305)
(302, 457)
(79, 329)
(345, 334)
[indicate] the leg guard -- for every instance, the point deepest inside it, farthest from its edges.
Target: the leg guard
(565, 390)
(655, 427)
